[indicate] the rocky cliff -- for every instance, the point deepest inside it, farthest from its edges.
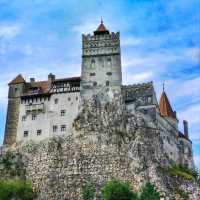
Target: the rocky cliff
(106, 142)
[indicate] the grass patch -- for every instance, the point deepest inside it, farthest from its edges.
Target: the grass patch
(184, 172)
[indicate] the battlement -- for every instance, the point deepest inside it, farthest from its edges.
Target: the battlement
(100, 44)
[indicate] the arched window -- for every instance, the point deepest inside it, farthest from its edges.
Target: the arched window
(107, 83)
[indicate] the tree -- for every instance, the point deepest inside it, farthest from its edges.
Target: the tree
(16, 189)
(148, 192)
(88, 191)
(118, 190)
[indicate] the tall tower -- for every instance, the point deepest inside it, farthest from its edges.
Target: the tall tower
(16, 88)
(101, 62)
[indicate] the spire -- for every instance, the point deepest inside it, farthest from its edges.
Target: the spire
(165, 107)
(101, 29)
(163, 86)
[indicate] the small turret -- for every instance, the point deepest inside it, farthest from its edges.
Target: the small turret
(166, 109)
(16, 89)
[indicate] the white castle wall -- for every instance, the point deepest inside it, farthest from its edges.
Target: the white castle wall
(51, 116)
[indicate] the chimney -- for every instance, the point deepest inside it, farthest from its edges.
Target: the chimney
(51, 78)
(32, 80)
(185, 126)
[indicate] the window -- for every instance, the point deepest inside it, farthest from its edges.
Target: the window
(56, 101)
(23, 118)
(62, 112)
(33, 117)
(95, 83)
(92, 74)
(16, 89)
(76, 98)
(92, 63)
(63, 128)
(25, 133)
(39, 132)
(55, 128)
(107, 83)
(109, 61)
(69, 99)
(109, 73)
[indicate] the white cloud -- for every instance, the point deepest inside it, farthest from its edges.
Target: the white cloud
(9, 30)
(87, 27)
(192, 114)
(138, 78)
(193, 54)
(131, 41)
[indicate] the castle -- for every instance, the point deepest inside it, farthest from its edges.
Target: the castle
(42, 109)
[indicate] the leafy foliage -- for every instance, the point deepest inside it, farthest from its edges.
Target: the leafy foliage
(16, 189)
(117, 190)
(148, 192)
(88, 191)
(184, 172)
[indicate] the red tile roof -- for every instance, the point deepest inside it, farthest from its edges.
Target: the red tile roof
(165, 107)
(101, 29)
(19, 79)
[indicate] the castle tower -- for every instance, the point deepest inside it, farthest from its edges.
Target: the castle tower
(16, 88)
(166, 109)
(101, 62)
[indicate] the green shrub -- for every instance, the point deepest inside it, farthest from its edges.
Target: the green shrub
(117, 190)
(148, 192)
(184, 172)
(88, 191)
(16, 189)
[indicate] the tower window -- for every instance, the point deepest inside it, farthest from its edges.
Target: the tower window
(23, 118)
(39, 132)
(92, 74)
(107, 83)
(92, 63)
(56, 101)
(62, 112)
(25, 133)
(63, 128)
(95, 83)
(33, 117)
(109, 73)
(55, 128)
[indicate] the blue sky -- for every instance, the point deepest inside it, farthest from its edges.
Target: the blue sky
(160, 41)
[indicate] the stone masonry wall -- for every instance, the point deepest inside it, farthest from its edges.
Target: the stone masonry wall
(106, 142)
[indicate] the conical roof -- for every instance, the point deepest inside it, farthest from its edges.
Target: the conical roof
(101, 29)
(19, 79)
(165, 107)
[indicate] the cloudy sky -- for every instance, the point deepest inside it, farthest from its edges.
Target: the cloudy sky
(160, 41)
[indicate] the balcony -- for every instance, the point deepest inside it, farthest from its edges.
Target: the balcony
(34, 108)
